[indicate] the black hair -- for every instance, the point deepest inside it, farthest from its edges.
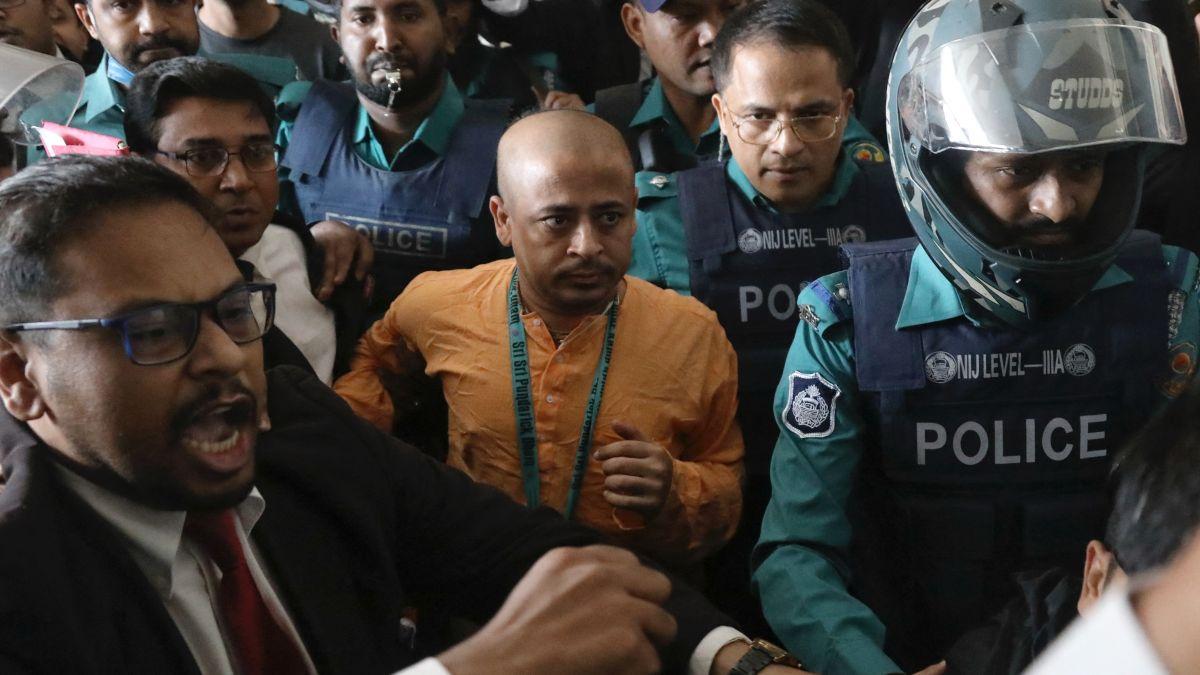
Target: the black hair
(160, 84)
(44, 207)
(6, 152)
(1156, 488)
(790, 24)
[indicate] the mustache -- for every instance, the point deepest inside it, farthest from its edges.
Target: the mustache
(588, 268)
(385, 62)
(243, 409)
(158, 42)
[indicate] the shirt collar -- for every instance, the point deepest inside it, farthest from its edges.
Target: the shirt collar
(433, 132)
(100, 93)
(931, 297)
(656, 107)
(843, 177)
(152, 536)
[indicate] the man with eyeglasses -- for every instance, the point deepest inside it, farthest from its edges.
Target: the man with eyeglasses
(212, 124)
(745, 236)
(668, 120)
(173, 508)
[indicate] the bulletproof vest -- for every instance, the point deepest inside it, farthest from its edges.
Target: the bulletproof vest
(649, 146)
(986, 448)
(749, 264)
(418, 220)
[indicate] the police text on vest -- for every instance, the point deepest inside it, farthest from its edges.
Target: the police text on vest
(972, 442)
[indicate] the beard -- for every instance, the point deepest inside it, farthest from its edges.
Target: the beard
(412, 91)
(133, 60)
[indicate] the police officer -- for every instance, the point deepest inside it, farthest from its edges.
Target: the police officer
(668, 120)
(950, 403)
(137, 33)
(492, 60)
(397, 153)
(746, 235)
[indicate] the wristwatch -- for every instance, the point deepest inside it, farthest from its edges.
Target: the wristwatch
(761, 655)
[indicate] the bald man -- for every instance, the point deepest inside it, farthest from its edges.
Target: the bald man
(568, 383)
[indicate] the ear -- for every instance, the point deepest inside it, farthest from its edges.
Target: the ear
(1095, 575)
(719, 105)
(19, 393)
(502, 220)
(333, 33)
(84, 12)
(847, 108)
(635, 219)
(634, 23)
(454, 25)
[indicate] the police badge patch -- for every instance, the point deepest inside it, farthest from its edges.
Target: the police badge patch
(811, 411)
(866, 152)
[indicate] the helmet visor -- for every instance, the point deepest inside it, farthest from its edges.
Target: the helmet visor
(1046, 86)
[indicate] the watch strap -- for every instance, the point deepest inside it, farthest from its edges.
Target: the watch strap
(752, 662)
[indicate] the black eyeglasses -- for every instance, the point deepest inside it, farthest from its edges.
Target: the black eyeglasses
(163, 333)
(256, 157)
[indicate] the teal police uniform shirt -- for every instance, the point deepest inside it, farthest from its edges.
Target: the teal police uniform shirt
(102, 107)
(655, 107)
(660, 245)
(806, 527)
(432, 135)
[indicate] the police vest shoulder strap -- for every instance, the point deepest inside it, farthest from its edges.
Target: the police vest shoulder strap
(1145, 341)
(618, 105)
(326, 112)
(1142, 254)
(705, 210)
(885, 359)
(470, 159)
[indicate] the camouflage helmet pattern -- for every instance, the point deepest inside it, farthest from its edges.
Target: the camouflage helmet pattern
(1025, 76)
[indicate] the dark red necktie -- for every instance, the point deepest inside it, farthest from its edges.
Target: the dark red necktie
(259, 644)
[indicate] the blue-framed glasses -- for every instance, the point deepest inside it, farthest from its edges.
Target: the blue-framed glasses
(164, 333)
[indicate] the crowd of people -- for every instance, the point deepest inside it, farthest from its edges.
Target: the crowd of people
(594, 336)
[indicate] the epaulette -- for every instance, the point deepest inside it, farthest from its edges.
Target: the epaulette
(826, 302)
(287, 105)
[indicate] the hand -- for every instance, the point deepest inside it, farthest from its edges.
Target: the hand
(549, 623)
(637, 473)
(935, 669)
(558, 100)
(343, 246)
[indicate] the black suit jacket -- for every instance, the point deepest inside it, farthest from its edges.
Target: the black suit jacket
(357, 527)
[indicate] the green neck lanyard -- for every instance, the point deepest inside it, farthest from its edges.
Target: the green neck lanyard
(522, 383)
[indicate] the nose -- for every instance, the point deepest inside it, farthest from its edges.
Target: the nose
(235, 177)
(787, 143)
(387, 36)
(584, 241)
(152, 20)
(1053, 197)
(215, 352)
(706, 31)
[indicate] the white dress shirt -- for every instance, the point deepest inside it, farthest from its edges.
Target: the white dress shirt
(1108, 641)
(279, 256)
(187, 579)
